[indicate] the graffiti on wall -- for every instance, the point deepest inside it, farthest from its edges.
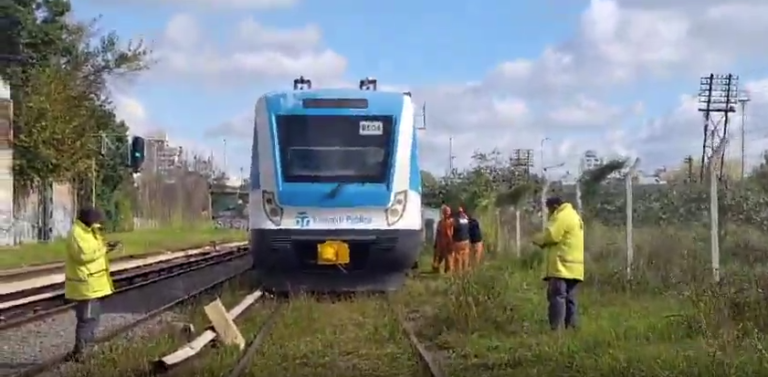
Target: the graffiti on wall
(42, 216)
(62, 212)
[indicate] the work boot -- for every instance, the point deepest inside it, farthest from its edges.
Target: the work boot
(74, 356)
(77, 355)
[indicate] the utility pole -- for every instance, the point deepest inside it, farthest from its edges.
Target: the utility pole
(451, 157)
(541, 161)
(717, 94)
(743, 99)
(522, 162)
(225, 157)
(242, 180)
(688, 162)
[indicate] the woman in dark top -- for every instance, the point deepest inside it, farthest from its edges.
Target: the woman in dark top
(476, 240)
(461, 247)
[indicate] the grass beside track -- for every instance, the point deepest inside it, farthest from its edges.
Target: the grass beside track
(492, 322)
(133, 355)
(310, 338)
(134, 243)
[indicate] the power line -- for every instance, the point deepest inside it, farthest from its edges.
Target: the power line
(717, 94)
(521, 163)
(743, 99)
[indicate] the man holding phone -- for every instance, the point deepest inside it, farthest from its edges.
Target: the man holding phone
(563, 243)
(87, 276)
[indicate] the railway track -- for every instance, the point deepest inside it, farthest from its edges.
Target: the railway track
(136, 296)
(163, 366)
(129, 280)
(22, 307)
(42, 270)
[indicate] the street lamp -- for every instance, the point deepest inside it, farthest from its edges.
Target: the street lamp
(543, 169)
(547, 168)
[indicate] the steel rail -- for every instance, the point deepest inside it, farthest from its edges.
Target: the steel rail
(246, 357)
(39, 270)
(60, 359)
(56, 303)
(430, 362)
(43, 289)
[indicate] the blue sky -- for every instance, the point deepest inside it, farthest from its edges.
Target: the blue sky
(590, 74)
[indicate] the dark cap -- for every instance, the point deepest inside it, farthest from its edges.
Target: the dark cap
(89, 216)
(554, 201)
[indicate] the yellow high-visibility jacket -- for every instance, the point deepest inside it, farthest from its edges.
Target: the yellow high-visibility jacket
(563, 243)
(86, 267)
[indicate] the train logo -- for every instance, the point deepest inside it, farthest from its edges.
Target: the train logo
(303, 220)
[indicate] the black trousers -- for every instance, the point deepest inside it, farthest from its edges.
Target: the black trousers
(561, 295)
(88, 314)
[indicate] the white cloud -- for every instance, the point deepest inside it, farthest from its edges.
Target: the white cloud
(618, 45)
(584, 112)
(183, 31)
(240, 127)
(291, 41)
(132, 112)
(218, 4)
(262, 54)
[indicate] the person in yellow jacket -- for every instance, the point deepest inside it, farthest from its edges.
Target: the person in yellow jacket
(563, 244)
(87, 277)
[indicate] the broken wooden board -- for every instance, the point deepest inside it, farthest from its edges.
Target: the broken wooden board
(223, 324)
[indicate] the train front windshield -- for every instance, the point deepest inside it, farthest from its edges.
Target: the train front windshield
(335, 148)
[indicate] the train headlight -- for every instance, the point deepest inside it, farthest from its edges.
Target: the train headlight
(396, 210)
(272, 210)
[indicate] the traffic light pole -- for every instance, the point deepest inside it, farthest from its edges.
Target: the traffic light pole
(135, 151)
(93, 182)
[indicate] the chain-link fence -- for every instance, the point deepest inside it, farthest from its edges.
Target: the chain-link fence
(659, 234)
(674, 232)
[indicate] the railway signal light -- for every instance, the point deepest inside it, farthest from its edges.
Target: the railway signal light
(138, 150)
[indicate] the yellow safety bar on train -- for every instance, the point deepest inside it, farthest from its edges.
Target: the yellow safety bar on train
(332, 252)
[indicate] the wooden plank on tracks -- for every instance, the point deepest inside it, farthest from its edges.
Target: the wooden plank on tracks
(224, 325)
(194, 347)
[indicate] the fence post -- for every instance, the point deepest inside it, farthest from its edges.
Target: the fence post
(517, 232)
(579, 206)
(629, 225)
(544, 191)
(499, 236)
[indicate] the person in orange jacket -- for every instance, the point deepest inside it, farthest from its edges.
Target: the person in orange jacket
(443, 241)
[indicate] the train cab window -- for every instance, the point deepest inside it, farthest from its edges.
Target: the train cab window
(334, 148)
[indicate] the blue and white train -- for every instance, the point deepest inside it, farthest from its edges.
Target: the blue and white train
(335, 189)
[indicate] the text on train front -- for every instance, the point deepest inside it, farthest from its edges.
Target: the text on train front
(306, 220)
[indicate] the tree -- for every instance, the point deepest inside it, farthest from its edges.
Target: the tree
(491, 180)
(62, 106)
(731, 170)
(430, 188)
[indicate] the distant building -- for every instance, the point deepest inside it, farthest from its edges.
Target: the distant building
(590, 160)
(160, 156)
